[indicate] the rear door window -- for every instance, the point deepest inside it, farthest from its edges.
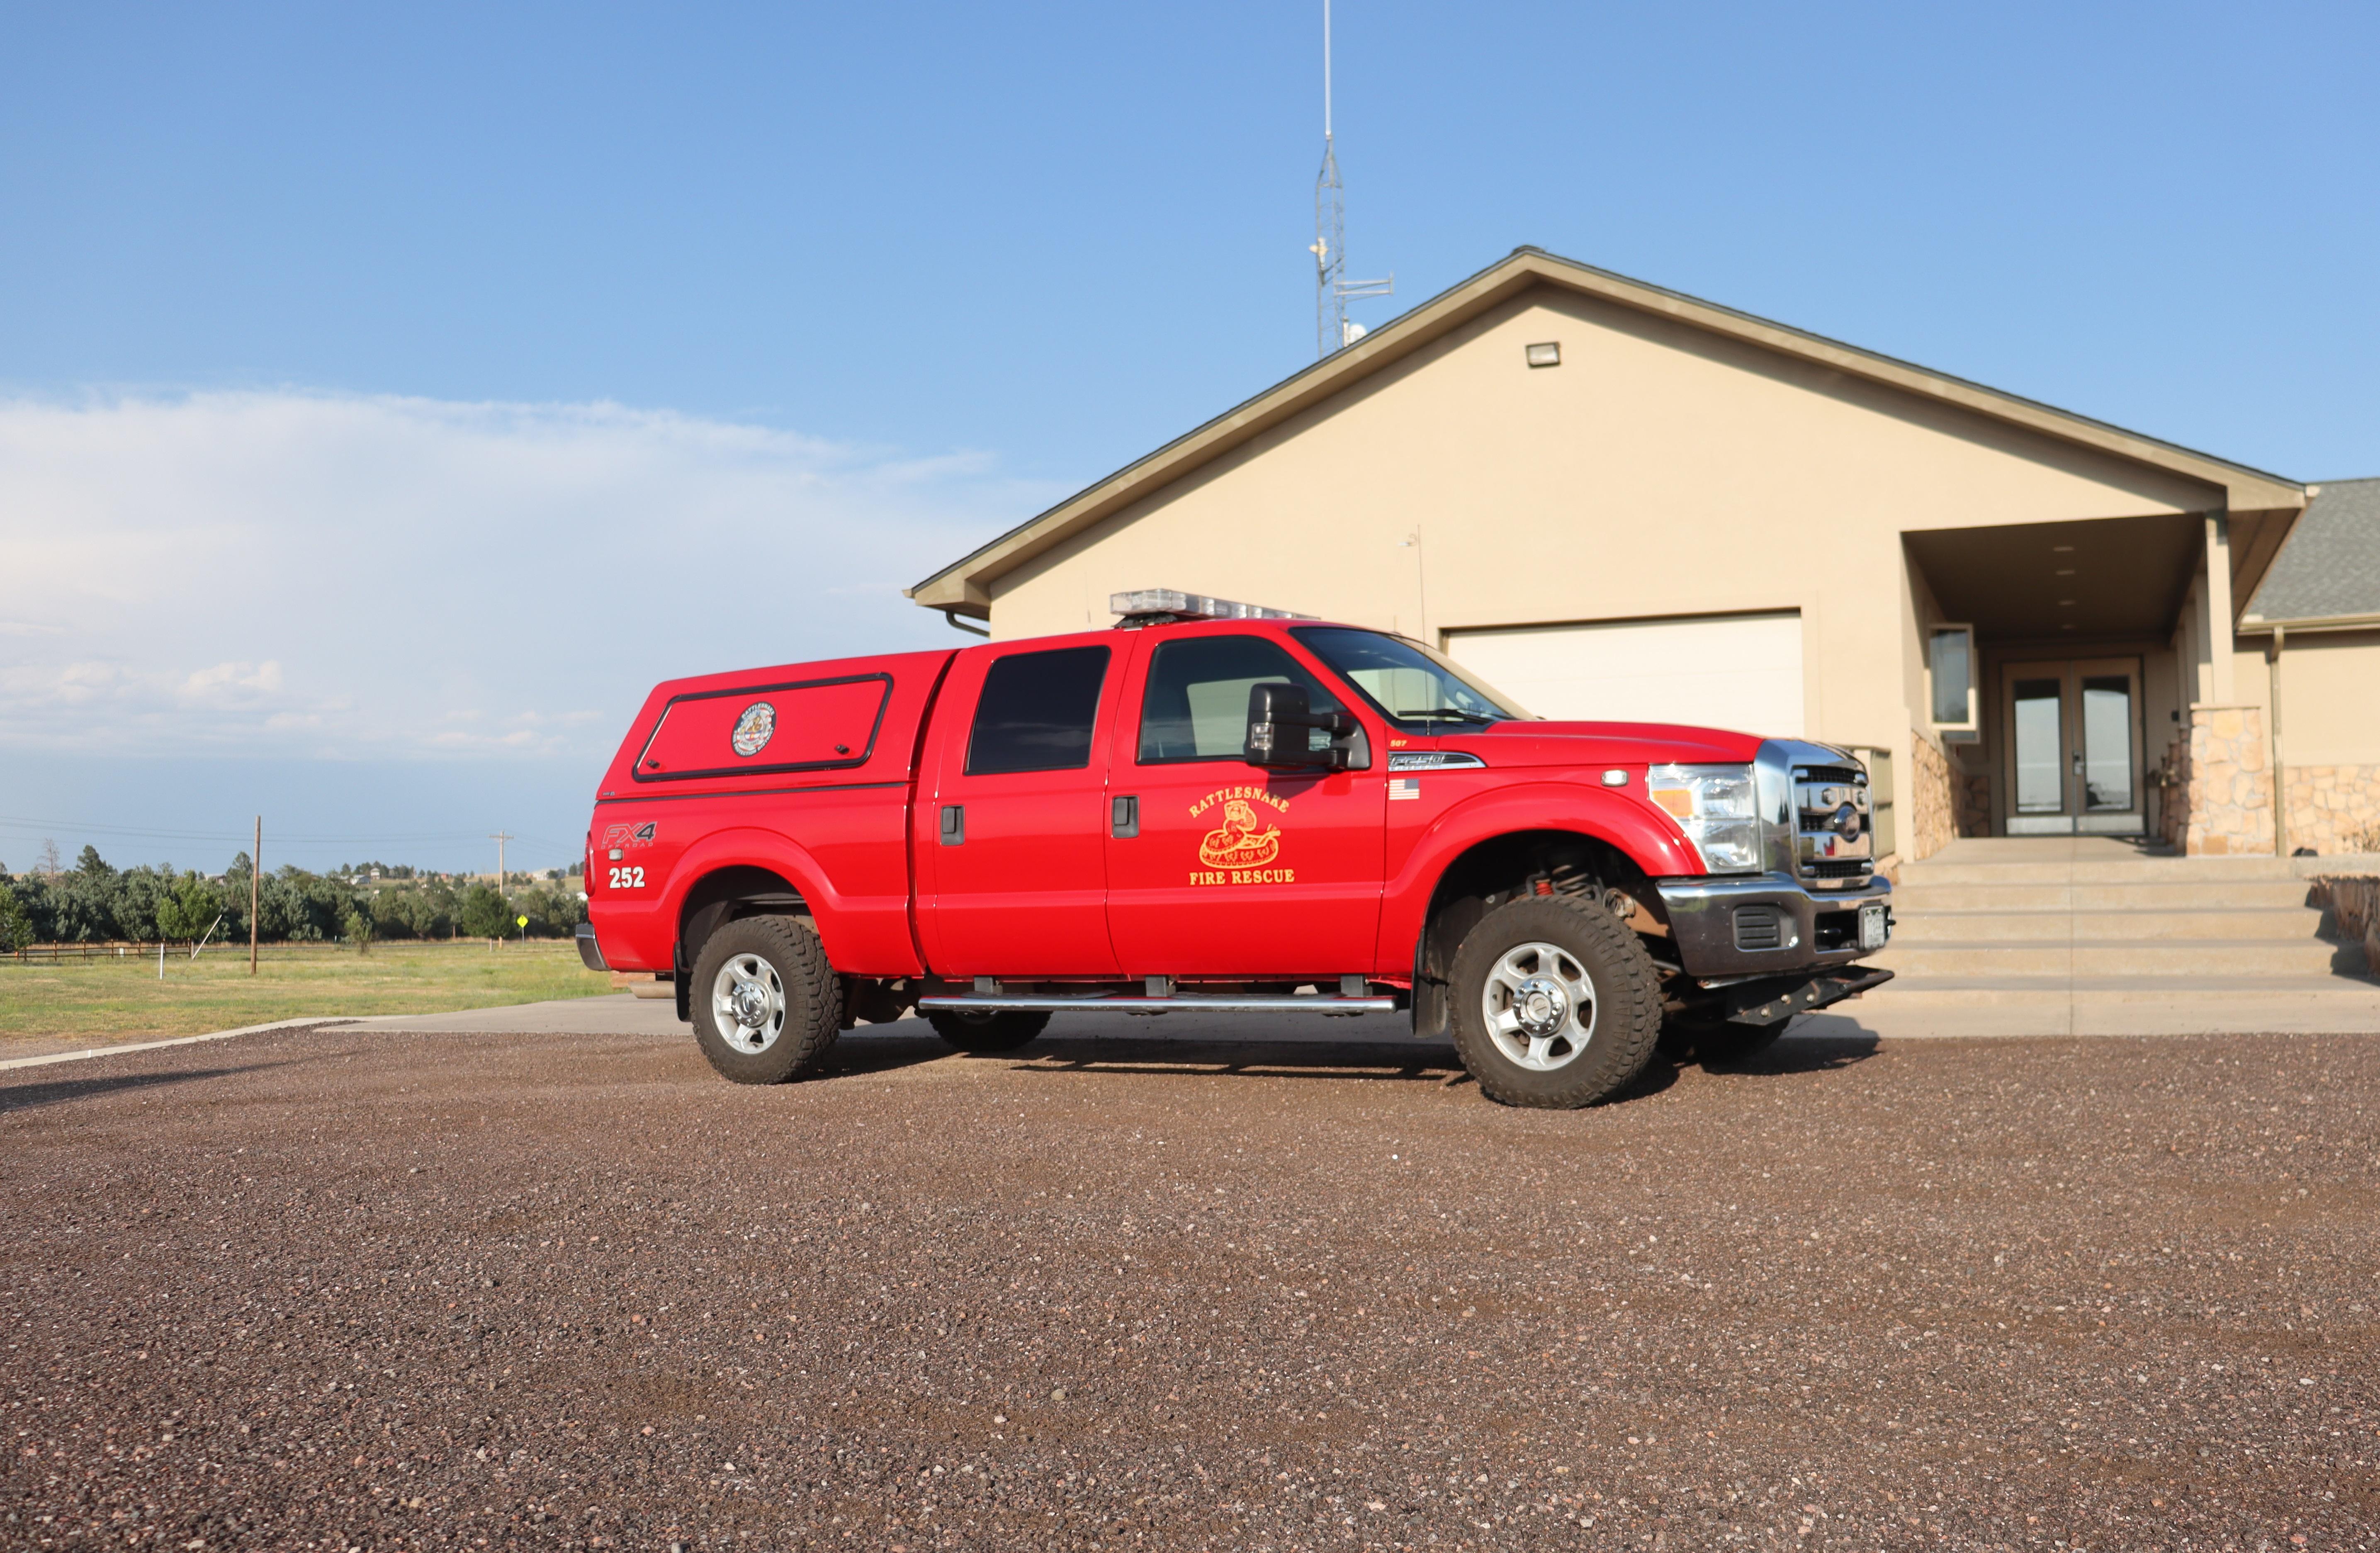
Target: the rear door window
(805, 726)
(1037, 711)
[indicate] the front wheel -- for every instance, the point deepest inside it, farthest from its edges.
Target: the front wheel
(765, 1005)
(1556, 1005)
(987, 1029)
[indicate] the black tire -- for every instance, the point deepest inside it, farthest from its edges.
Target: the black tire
(781, 955)
(988, 1030)
(1625, 994)
(1726, 1045)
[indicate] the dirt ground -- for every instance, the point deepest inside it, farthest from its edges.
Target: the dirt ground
(340, 1288)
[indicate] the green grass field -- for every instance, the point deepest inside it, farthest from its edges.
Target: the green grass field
(114, 999)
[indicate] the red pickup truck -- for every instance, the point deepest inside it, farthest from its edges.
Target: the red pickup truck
(1218, 807)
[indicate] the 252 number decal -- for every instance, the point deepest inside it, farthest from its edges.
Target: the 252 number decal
(628, 878)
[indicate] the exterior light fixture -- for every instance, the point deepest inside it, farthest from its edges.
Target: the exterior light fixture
(1547, 354)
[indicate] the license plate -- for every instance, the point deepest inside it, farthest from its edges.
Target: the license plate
(1872, 930)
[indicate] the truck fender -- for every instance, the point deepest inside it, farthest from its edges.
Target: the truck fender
(1647, 836)
(752, 846)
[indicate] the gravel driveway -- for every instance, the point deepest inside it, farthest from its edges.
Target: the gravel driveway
(349, 1289)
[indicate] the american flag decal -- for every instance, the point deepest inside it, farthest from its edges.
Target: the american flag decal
(1405, 787)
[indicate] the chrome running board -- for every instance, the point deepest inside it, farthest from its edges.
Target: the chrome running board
(1290, 1003)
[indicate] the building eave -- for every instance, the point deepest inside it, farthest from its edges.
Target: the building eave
(964, 584)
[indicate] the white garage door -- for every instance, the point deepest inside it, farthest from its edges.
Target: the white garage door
(1741, 670)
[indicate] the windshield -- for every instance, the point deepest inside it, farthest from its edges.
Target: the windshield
(1404, 680)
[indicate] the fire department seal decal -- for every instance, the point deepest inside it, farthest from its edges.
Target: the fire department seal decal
(1243, 848)
(754, 729)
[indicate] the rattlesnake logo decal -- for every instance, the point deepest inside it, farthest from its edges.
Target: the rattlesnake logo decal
(1245, 848)
(1237, 843)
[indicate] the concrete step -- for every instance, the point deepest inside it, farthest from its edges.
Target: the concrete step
(2281, 923)
(2020, 990)
(1989, 959)
(2113, 871)
(1922, 1007)
(2146, 894)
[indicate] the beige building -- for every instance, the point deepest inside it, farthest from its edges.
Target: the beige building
(1619, 502)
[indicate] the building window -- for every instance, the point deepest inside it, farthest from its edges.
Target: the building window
(1951, 668)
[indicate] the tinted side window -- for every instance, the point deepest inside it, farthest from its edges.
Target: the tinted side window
(1196, 707)
(1037, 711)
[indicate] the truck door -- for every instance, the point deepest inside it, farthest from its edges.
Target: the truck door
(1220, 868)
(1009, 830)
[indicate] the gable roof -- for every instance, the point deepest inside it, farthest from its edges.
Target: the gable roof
(963, 586)
(2329, 570)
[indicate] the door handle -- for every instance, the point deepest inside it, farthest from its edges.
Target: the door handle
(1124, 818)
(953, 824)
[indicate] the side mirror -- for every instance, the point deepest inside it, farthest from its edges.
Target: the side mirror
(1279, 717)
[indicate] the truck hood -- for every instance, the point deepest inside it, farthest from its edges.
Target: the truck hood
(1605, 744)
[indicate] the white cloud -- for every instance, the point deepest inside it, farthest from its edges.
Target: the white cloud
(314, 575)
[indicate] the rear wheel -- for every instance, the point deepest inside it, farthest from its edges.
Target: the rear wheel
(987, 1029)
(765, 1002)
(1556, 1005)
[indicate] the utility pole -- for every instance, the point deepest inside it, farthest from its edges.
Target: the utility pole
(255, 874)
(499, 837)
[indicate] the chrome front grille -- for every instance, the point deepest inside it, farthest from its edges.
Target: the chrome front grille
(1834, 833)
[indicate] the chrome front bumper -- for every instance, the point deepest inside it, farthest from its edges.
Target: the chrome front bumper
(1767, 924)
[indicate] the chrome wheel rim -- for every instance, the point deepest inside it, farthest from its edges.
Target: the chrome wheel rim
(747, 1004)
(1540, 1006)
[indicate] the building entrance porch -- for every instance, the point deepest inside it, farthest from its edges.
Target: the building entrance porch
(2076, 682)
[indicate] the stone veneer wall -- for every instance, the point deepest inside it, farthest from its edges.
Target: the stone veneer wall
(2354, 907)
(2333, 809)
(2219, 792)
(1929, 821)
(1975, 803)
(2172, 779)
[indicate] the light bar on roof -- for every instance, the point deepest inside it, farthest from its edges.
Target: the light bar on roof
(1193, 606)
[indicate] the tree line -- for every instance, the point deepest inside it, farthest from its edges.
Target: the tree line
(94, 903)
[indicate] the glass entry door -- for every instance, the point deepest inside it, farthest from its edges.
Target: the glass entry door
(2073, 740)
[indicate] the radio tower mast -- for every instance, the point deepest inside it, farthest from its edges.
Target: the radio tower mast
(1333, 330)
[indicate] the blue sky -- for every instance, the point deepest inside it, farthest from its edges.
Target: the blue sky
(546, 300)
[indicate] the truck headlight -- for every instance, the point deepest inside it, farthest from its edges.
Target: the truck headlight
(1714, 805)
